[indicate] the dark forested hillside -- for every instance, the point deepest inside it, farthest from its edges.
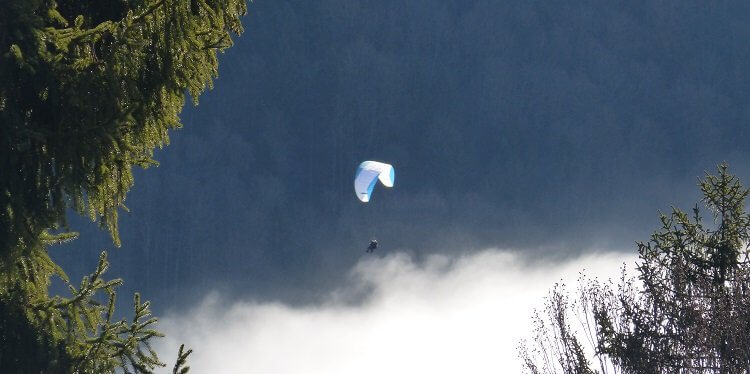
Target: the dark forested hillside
(519, 124)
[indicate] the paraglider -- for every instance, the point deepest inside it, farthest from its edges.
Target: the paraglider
(367, 175)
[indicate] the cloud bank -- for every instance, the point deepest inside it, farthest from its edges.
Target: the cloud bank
(447, 314)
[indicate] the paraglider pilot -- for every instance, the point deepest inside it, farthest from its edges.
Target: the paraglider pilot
(372, 246)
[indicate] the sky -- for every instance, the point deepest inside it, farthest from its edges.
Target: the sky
(551, 130)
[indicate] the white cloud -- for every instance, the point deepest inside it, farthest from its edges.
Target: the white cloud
(446, 315)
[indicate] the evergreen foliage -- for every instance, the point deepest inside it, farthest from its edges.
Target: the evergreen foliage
(75, 334)
(182, 355)
(88, 90)
(688, 311)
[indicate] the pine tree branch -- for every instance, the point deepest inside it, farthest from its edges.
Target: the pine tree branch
(179, 366)
(148, 11)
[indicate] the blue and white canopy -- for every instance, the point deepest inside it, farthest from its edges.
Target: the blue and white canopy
(367, 176)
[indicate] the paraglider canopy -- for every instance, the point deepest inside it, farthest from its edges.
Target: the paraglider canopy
(367, 175)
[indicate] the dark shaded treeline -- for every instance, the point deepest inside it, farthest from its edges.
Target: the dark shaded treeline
(519, 124)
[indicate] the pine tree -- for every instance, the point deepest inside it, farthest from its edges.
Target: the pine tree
(88, 90)
(688, 310)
